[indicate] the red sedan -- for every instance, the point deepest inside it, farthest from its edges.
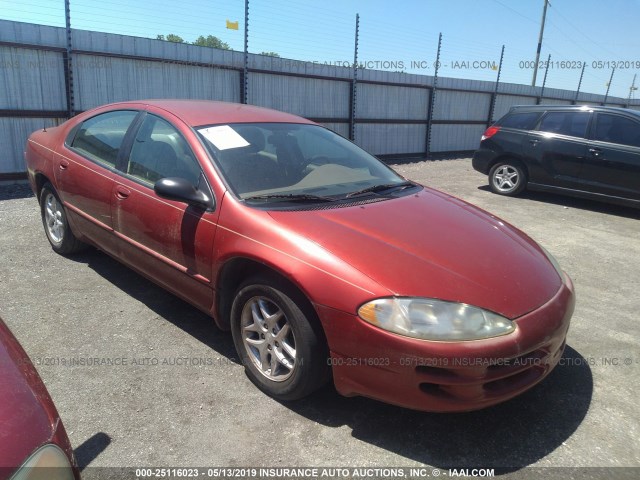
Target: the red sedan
(321, 260)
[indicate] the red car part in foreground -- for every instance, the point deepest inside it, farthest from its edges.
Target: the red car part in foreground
(319, 258)
(33, 442)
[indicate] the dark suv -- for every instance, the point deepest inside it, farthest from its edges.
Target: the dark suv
(591, 152)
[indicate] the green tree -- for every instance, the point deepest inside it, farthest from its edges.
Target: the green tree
(171, 38)
(270, 54)
(211, 41)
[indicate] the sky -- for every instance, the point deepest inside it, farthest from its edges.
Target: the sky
(396, 35)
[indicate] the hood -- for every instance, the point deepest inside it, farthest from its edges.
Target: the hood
(433, 245)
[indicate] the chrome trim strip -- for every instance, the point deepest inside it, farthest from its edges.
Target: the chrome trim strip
(167, 260)
(88, 217)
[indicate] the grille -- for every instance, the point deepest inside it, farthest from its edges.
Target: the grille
(480, 381)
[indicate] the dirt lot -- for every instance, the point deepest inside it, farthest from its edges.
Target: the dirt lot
(159, 409)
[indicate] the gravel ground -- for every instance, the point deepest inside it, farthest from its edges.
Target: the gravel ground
(585, 414)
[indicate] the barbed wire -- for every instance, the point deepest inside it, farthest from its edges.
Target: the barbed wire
(327, 36)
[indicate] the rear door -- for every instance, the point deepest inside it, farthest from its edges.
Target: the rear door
(84, 169)
(167, 240)
(557, 148)
(612, 166)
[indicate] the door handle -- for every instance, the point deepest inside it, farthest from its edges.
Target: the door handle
(64, 164)
(534, 141)
(122, 193)
(595, 151)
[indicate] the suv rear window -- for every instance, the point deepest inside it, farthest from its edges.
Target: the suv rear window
(522, 121)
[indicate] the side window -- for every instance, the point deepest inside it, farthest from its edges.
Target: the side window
(573, 124)
(616, 129)
(523, 121)
(100, 137)
(159, 151)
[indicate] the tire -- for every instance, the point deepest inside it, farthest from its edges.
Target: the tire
(56, 226)
(507, 177)
(279, 339)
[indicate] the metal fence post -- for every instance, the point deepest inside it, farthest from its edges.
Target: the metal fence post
(575, 100)
(432, 100)
(494, 95)
(68, 64)
(245, 70)
(631, 89)
(606, 95)
(354, 85)
(544, 80)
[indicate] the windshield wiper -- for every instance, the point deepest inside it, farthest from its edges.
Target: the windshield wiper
(381, 188)
(294, 197)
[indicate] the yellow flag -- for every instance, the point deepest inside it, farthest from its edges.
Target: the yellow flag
(232, 25)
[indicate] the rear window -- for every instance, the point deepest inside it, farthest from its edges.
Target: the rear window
(522, 121)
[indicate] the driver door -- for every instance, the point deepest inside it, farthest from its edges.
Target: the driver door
(169, 241)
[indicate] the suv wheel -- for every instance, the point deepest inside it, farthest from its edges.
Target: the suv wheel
(507, 178)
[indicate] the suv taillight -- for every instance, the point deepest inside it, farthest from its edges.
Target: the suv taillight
(489, 132)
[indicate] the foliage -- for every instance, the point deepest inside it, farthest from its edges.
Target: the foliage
(171, 38)
(211, 41)
(202, 41)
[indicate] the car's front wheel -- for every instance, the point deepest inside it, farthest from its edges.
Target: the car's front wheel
(56, 226)
(278, 339)
(507, 178)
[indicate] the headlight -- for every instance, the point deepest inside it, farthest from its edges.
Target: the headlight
(46, 463)
(431, 319)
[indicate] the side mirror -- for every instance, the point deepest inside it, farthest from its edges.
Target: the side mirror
(180, 189)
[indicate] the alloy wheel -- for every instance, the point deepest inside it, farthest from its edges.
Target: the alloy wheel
(268, 338)
(506, 178)
(54, 219)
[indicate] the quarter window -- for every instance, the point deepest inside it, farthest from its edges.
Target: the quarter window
(573, 124)
(616, 129)
(159, 151)
(522, 121)
(100, 137)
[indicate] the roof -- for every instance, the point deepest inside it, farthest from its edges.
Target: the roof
(209, 112)
(576, 107)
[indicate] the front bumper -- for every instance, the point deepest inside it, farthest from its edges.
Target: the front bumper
(447, 376)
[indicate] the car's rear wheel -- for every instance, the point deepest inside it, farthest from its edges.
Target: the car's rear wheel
(278, 339)
(56, 226)
(507, 178)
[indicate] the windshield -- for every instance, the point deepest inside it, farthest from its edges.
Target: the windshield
(275, 160)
